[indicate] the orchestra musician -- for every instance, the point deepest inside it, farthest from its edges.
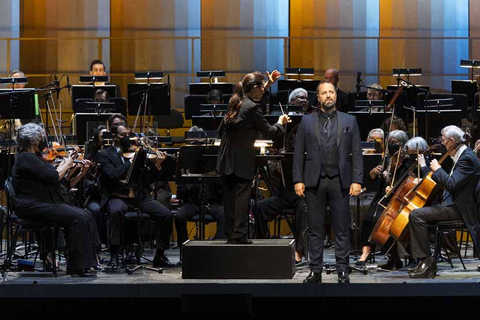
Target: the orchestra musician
(236, 157)
(333, 76)
(458, 200)
(40, 196)
(327, 170)
(119, 198)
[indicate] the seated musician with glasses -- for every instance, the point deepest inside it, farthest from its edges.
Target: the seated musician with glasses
(40, 196)
(119, 198)
(458, 201)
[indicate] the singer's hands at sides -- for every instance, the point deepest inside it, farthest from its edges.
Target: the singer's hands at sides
(355, 189)
(300, 189)
(284, 119)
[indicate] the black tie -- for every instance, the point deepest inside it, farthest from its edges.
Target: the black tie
(327, 127)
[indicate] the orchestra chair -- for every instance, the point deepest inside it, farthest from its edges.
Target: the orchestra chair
(287, 215)
(173, 121)
(23, 227)
(449, 229)
(140, 220)
(201, 220)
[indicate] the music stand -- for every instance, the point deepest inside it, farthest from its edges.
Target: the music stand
(467, 87)
(213, 108)
(17, 104)
(470, 64)
(438, 108)
(206, 87)
(206, 122)
(87, 91)
(158, 102)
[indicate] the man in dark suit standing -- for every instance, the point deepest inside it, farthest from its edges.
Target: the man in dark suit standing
(342, 104)
(458, 202)
(327, 170)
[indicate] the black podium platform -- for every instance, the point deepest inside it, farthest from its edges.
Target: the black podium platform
(264, 259)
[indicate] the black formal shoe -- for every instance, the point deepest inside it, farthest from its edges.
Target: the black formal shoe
(426, 269)
(392, 264)
(343, 277)
(239, 241)
(161, 261)
(313, 278)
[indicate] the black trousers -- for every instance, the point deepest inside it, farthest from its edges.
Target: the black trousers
(328, 192)
(162, 216)
(419, 220)
(80, 230)
(269, 209)
(236, 202)
(186, 213)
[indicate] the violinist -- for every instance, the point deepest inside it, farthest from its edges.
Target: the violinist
(457, 203)
(119, 198)
(41, 197)
(395, 167)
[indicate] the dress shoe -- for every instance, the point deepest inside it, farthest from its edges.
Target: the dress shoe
(239, 241)
(161, 261)
(313, 278)
(392, 264)
(426, 269)
(343, 277)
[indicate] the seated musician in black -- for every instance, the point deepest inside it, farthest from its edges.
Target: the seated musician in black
(286, 198)
(396, 141)
(458, 200)
(120, 198)
(40, 196)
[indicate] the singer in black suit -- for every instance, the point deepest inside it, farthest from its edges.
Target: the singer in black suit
(236, 155)
(327, 170)
(458, 201)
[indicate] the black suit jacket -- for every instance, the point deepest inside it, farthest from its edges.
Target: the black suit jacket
(308, 151)
(236, 154)
(461, 185)
(113, 169)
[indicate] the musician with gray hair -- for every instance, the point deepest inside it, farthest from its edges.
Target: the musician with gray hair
(40, 196)
(457, 203)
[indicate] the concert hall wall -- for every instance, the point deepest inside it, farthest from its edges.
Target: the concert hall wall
(185, 36)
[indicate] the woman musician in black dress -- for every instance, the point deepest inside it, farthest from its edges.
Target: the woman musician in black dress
(40, 196)
(236, 157)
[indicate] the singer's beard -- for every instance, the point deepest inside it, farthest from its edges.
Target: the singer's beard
(328, 105)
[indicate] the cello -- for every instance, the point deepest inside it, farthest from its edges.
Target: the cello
(422, 195)
(381, 232)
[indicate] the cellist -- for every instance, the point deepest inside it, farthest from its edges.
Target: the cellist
(458, 201)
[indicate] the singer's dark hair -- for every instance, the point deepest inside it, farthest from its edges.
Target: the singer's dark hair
(97, 61)
(241, 88)
(322, 82)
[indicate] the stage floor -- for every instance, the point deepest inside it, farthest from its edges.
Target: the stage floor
(452, 285)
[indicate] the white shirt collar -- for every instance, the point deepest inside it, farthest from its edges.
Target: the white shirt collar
(458, 153)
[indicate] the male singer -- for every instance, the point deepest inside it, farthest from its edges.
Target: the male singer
(328, 169)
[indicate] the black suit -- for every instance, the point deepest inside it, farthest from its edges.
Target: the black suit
(236, 162)
(327, 187)
(113, 169)
(461, 185)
